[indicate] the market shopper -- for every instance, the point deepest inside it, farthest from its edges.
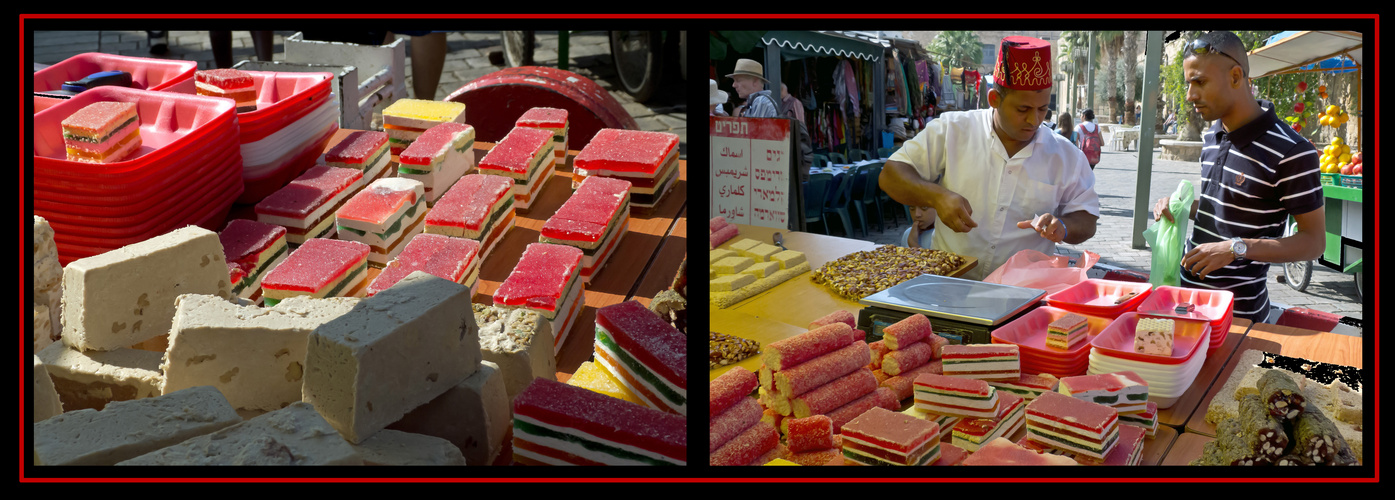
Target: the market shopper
(1089, 138)
(1255, 173)
(715, 99)
(748, 79)
(1027, 187)
(1066, 127)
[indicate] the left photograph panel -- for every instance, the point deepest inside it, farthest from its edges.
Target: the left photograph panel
(340, 247)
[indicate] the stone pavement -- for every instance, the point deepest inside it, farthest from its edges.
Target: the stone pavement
(467, 59)
(1116, 176)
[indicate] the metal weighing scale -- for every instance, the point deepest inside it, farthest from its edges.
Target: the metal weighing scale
(963, 311)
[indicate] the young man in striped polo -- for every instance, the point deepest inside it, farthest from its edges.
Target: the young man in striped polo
(1255, 173)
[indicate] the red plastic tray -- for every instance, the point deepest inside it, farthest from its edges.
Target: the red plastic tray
(128, 197)
(218, 150)
(210, 217)
(1117, 340)
(1217, 305)
(171, 125)
(118, 226)
(282, 98)
(146, 73)
(41, 103)
(1029, 333)
(1096, 297)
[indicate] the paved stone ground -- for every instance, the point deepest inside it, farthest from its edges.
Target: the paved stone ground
(467, 59)
(1116, 179)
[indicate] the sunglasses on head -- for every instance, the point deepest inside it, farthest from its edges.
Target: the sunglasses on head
(1200, 46)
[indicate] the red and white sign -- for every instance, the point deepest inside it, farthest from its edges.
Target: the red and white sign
(750, 170)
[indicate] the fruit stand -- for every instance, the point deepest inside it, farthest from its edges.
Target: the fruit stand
(1340, 163)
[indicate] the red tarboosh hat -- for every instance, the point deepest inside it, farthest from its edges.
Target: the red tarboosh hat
(1024, 63)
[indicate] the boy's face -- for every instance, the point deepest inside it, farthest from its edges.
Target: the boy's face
(924, 217)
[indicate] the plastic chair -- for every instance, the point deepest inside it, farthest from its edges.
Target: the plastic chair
(820, 161)
(885, 199)
(865, 195)
(815, 192)
(837, 202)
(859, 184)
(838, 159)
(885, 152)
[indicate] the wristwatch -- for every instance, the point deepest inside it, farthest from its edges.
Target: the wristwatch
(1238, 247)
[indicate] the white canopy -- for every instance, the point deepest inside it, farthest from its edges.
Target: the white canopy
(1304, 48)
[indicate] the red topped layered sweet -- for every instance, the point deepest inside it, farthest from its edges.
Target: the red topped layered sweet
(252, 248)
(524, 155)
(559, 424)
(955, 396)
(363, 150)
(648, 160)
(384, 216)
(102, 132)
(551, 119)
(884, 437)
(455, 259)
(546, 279)
(478, 207)
(319, 268)
(306, 206)
(647, 354)
(594, 219)
(439, 157)
(1070, 424)
(228, 83)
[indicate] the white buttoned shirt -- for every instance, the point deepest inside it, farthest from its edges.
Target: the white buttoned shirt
(1048, 175)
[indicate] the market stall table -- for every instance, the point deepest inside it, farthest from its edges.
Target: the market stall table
(635, 257)
(760, 330)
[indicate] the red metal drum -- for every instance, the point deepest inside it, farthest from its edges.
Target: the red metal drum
(494, 102)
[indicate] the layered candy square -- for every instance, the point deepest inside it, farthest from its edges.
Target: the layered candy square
(478, 207)
(1067, 331)
(955, 396)
(1124, 391)
(1073, 425)
(593, 219)
(102, 132)
(982, 361)
(439, 158)
(646, 353)
(546, 279)
(970, 434)
(406, 119)
(1146, 419)
(383, 216)
(228, 83)
(306, 206)
(559, 424)
(251, 249)
(884, 437)
(320, 268)
(550, 119)
(362, 150)
(649, 160)
(455, 259)
(524, 155)
(1002, 451)
(1028, 386)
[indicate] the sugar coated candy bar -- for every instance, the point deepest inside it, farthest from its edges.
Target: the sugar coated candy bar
(746, 447)
(879, 398)
(908, 358)
(818, 371)
(908, 331)
(733, 422)
(555, 423)
(838, 316)
(729, 388)
(792, 351)
(830, 396)
(810, 433)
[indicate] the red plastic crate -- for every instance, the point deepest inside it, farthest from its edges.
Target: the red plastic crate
(282, 98)
(260, 186)
(210, 216)
(146, 73)
(173, 126)
(1095, 297)
(117, 198)
(99, 222)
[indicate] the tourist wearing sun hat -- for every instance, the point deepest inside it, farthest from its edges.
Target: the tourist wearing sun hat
(748, 79)
(715, 99)
(998, 181)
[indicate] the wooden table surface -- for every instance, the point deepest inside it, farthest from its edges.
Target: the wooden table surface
(1178, 413)
(636, 256)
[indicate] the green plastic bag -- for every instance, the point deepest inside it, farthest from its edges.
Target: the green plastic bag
(1168, 239)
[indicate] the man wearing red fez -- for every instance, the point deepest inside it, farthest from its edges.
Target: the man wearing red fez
(997, 179)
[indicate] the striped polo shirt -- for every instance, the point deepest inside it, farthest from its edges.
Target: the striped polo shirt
(1252, 179)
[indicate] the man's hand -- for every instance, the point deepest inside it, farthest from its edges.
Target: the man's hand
(955, 211)
(1046, 225)
(1160, 209)
(1206, 258)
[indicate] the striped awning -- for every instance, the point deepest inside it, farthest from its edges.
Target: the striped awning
(824, 44)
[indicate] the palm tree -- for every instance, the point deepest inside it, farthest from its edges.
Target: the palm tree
(1130, 74)
(1075, 46)
(1111, 44)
